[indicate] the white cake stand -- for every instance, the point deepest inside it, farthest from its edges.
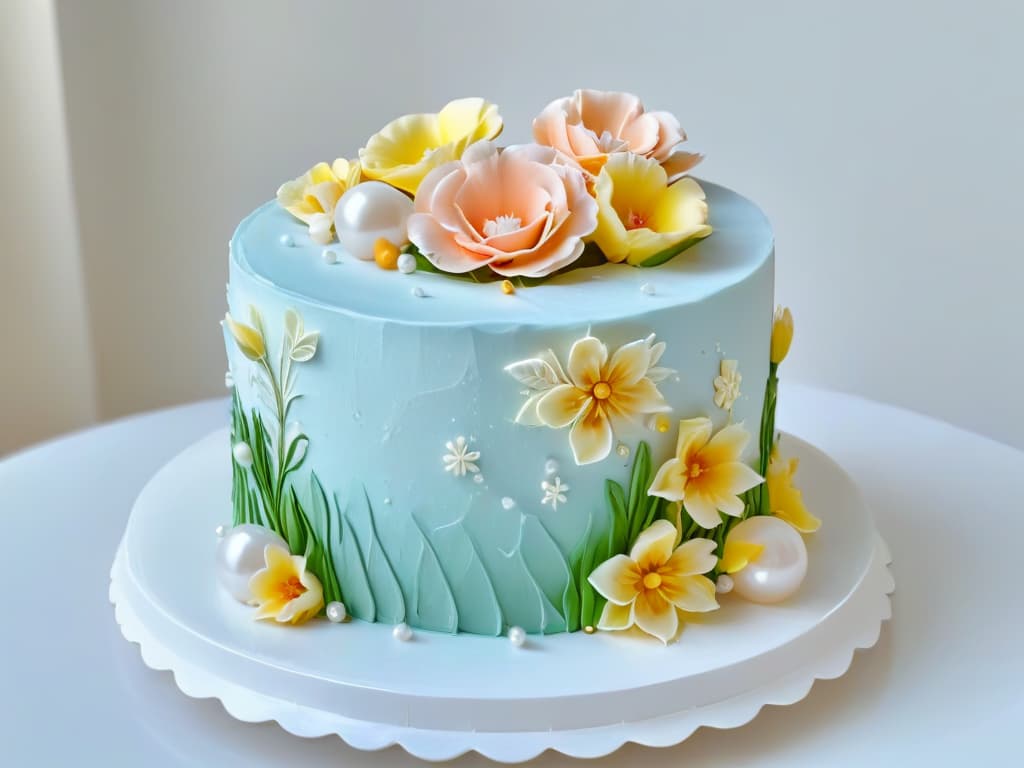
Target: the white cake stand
(439, 695)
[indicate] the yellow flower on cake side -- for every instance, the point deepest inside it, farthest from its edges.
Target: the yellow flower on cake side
(599, 395)
(785, 500)
(640, 215)
(284, 590)
(648, 586)
(782, 334)
(248, 338)
(311, 198)
(706, 474)
(408, 148)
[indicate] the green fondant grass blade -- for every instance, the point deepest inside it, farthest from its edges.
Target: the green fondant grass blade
(669, 253)
(619, 512)
(639, 481)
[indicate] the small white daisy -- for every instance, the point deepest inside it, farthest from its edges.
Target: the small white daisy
(554, 493)
(459, 460)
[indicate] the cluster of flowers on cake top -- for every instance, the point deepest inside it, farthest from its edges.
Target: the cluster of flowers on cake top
(602, 170)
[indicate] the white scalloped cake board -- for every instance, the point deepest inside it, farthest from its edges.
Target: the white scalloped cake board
(439, 696)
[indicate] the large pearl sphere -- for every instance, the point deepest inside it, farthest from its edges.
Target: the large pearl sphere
(779, 569)
(369, 211)
(240, 555)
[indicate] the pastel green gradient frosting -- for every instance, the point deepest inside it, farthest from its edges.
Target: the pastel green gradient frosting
(396, 376)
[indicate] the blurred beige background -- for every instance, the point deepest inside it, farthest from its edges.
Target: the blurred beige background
(883, 140)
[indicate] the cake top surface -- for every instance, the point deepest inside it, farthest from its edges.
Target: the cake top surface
(276, 249)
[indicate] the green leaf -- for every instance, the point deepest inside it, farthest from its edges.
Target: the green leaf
(617, 507)
(639, 482)
(669, 253)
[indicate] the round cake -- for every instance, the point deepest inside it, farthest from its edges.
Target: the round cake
(547, 439)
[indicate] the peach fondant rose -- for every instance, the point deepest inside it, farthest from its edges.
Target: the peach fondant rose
(591, 125)
(519, 211)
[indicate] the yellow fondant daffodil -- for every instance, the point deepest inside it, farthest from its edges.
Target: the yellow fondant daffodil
(782, 334)
(641, 215)
(706, 473)
(785, 500)
(284, 590)
(407, 149)
(248, 338)
(601, 395)
(316, 192)
(657, 579)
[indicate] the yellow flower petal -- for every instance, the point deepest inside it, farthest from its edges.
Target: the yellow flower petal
(682, 207)
(702, 509)
(784, 499)
(615, 617)
(669, 482)
(782, 334)
(617, 580)
(591, 436)
(653, 547)
(695, 594)
(284, 590)
(739, 554)
(693, 558)
(727, 445)
(409, 147)
(249, 340)
(561, 405)
(655, 615)
(586, 361)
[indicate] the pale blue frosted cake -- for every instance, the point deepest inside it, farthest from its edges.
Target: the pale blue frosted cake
(507, 432)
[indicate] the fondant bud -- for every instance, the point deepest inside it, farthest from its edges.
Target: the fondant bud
(782, 334)
(249, 340)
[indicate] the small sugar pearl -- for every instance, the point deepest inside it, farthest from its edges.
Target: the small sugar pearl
(406, 263)
(478, 479)
(229, 380)
(287, 241)
(243, 454)
(418, 292)
(550, 467)
(622, 449)
(220, 530)
(508, 502)
(647, 288)
(588, 629)
(402, 632)
(724, 584)
(517, 636)
(387, 500)
(329, 256)
(336, 612)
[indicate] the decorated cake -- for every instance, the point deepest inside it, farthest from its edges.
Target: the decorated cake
(507, 390)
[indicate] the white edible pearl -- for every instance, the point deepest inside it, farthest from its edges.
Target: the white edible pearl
(724, 584)
(329, 256)
(647, 288)
(550, 467)
(419, 293)
(517, 636)
(508, 502)
(406, 263)
(779, 569)
(336, 611)
(229, 380)
(240, 555)
(287, 241)
(369, 211)
(402, 632)
(243, 454)
(220, 530)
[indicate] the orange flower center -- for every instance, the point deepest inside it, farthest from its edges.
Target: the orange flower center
(652, 580)
(290, 588)
(695, 470)
(602, 390)
(635, 220)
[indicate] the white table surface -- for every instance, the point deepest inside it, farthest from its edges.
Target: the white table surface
(944, 685)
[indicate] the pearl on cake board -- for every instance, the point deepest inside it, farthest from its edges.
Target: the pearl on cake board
(517, 636)
(336, 611)
(240, 554)
(780, 567)
(402, 632)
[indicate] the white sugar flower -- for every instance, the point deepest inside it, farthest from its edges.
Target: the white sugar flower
(727, 384)
(554, 493)
(459, 460)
